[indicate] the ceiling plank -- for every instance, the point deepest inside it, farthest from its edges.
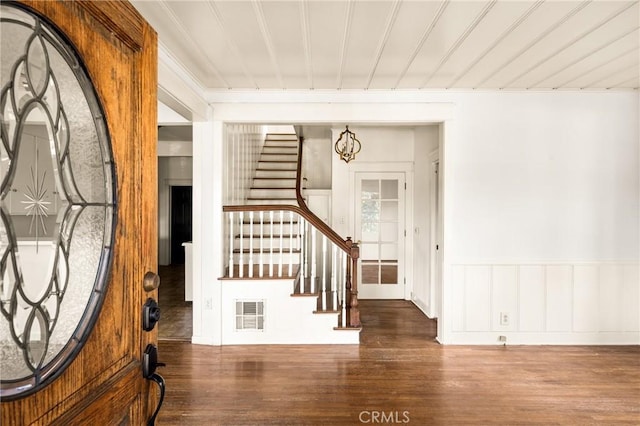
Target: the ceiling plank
(533, 42)
(606, 63)
(383, 41)
(186, 35)
(306, 42)
(345, 42)
(622, 71)
(571, 42)
(497, 41)
(266, 35)
(217, 16)
(472, 26)
(423, 39)
(591, 53)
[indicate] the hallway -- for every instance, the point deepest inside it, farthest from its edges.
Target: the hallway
(399, 374)
(175, 313)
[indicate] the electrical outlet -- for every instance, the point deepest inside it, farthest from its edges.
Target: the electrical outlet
(208, 304)
(502, 339)
(504, 318)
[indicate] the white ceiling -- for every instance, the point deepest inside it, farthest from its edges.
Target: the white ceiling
(314, 44)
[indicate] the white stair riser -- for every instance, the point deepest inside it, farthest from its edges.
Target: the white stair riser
(266, 227)
(276, 173)
(272, 193)
(283, 201)
(280, 149)
(274, 183)
(289, 137)
(267, 243)
(289, 165)
(295, 259)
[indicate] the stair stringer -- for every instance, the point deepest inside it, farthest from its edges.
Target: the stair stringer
(288, 319)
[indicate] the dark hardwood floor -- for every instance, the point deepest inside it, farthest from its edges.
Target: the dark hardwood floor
(175, 314)
(399, 375)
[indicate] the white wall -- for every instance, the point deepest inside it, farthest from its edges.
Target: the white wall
(172, 171)
(542, 206)
(316, 162)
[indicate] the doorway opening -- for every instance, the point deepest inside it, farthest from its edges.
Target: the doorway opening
(181, 222)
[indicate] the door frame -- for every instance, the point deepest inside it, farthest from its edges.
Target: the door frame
(435, 234)
(405, 167)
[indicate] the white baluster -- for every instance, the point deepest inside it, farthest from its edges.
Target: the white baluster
(306, 250)
(344, 289)
(231, 244)
(302, 224)
(281, 244)
(324, 272)
(313, 260)
(240, 257)
(261, 256)
(334, 284)
(271, 243)
(250, 244)
(290, 243)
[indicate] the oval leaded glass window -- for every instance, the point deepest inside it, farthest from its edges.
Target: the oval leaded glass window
(56, 203)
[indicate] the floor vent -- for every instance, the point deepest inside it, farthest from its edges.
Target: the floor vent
(250, 315)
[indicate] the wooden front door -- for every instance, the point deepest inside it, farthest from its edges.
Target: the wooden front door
(104, 383)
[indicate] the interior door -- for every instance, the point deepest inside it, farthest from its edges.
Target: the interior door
(104, 384)
(380, 215)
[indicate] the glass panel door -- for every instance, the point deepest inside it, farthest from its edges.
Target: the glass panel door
(380, 228)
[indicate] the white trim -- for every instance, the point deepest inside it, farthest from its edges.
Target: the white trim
(327, 112)
(435, 262)
(547, 338)
(178, 89)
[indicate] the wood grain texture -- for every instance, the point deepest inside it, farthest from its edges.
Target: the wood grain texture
(120, 56)
(399, 367)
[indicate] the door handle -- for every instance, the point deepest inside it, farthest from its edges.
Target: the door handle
(151, 281)
(149, 365)
(150, 314)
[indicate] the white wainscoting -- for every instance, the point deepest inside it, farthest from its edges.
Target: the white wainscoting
(546, 303)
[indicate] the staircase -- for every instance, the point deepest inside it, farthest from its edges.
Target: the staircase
(275, 178)
(276, 245)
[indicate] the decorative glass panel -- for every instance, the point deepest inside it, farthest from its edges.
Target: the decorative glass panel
(57, 203)
(370, 189)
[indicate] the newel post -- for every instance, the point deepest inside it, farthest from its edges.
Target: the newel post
(353, 312)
